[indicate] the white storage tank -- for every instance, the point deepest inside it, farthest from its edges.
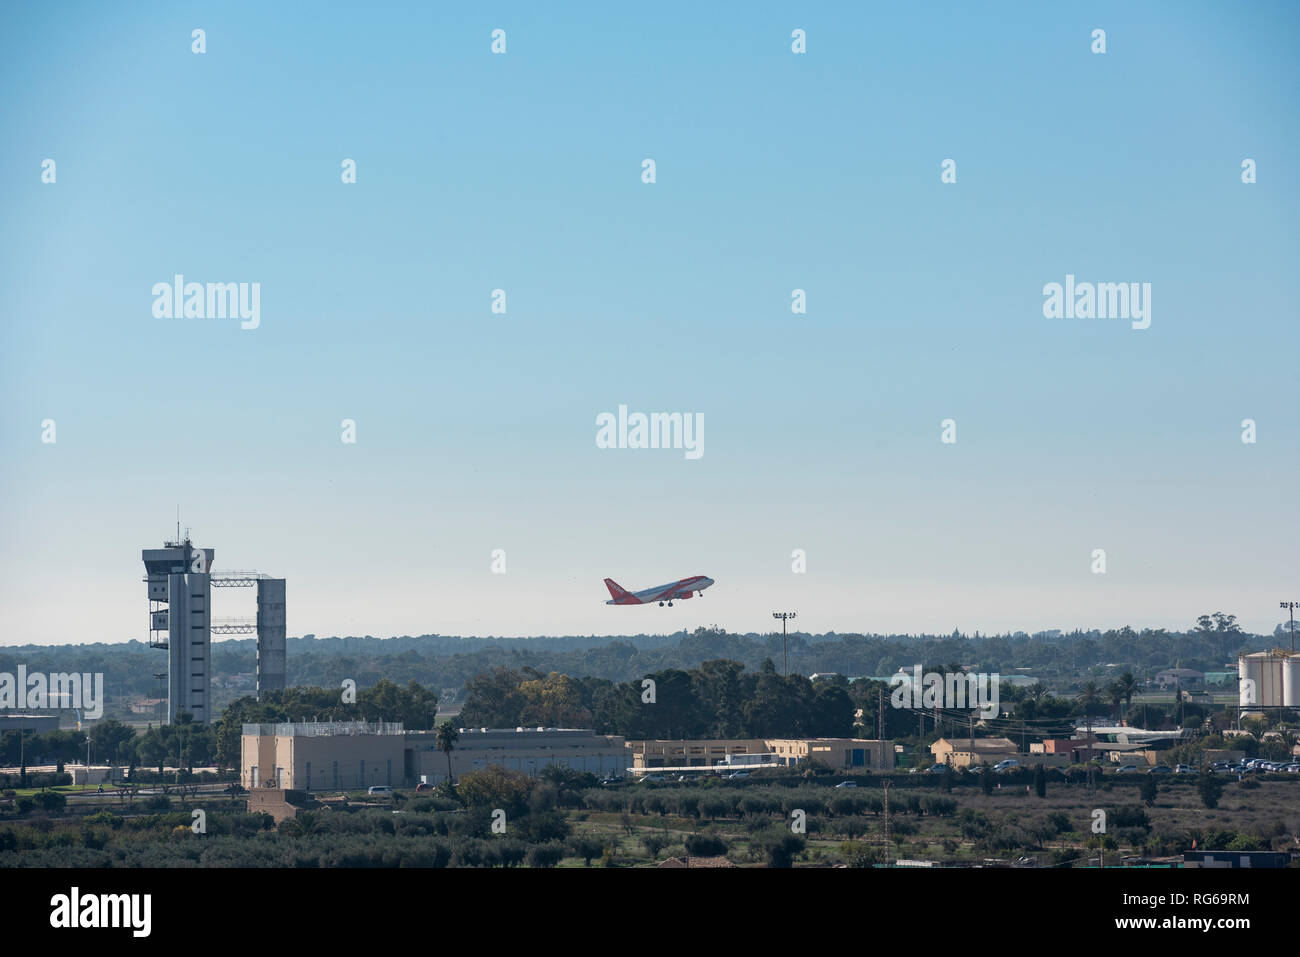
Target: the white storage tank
(1291, 681)
(1250, 671)
(1268, 669)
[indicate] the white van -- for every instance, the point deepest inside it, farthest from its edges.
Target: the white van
(382, 789)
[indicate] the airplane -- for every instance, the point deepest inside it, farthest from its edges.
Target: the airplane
(662, 593)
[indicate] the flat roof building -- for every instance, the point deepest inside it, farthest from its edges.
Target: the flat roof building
(837, 753)
(348, 755)
(971, 752)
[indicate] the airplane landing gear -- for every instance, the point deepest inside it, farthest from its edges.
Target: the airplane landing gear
(670, 604)
(661, 604)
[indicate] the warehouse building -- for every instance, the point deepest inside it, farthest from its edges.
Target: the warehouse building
(835, 753)
(349, 755)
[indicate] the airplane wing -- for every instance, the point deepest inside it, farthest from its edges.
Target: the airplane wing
(658, 593)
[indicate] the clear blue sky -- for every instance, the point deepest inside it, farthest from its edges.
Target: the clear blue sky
(775, 171)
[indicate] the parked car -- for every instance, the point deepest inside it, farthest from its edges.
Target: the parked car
(936, 769)
(1184, 769)
(422, 786)
(1160, 769)
(1007, 765)
(380, 790)
(652, 779)
(846, 784)
(737, 775)
(1126, 769)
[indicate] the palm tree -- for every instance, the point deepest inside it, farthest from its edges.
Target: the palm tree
(1037, 693)
(446, 738)
(1129, 687)
(1089, 697)
(1116, 695)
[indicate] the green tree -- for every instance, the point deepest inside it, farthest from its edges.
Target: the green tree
(1211, 789)
(445, 738)
(112, 739)
(586, 847)
(705, 845)
(1128, 687)
(496, 787)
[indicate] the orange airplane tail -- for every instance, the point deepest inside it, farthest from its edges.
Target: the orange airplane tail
(618, 592)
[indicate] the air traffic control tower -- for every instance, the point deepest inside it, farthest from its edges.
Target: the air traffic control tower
(180, 582)
(180, 620)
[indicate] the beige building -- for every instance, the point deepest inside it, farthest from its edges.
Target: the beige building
(694, 753)
(350, 755)
(322, 756)
(972, 752)
(836, 753)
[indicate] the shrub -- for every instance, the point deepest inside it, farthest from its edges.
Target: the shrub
(1130, 816)
(1211, 789)
(779, 846)
(714, 807)
(705, 845)
(545, 855)
(654, 843)
(585, 847)
(51, 800)
(548, 826)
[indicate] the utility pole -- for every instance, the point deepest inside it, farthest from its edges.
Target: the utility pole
(784, 616)
(886, 816)
(880, 714)
(1291, 606)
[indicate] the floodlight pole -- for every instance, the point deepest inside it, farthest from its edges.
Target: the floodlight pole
(784, 616)
(1290, 606)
